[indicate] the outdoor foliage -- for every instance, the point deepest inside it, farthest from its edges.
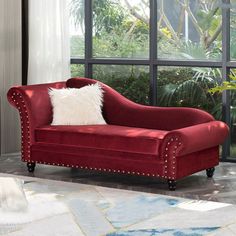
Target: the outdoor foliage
(130, 81)
(226, 85)
(121, 30)
(134, 88)
(187, 87)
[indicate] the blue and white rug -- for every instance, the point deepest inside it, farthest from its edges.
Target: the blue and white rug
(58, 208)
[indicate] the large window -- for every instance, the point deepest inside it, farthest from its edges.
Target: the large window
(159, 52)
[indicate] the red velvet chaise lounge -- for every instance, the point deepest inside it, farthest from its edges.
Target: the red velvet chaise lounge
(169, 143)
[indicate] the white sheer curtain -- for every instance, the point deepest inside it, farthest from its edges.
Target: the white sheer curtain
(49, 46)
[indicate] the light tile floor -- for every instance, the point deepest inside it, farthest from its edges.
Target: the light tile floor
(73, 209)
(221, 188)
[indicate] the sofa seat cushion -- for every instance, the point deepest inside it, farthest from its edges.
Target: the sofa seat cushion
(110, 137)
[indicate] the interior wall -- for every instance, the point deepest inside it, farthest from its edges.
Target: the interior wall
(10, 72)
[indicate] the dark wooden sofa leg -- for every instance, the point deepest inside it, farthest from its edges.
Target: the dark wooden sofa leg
(30, 166)
(210, 172)
(172, 184)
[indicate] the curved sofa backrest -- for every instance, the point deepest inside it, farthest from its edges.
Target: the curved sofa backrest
(118, 110)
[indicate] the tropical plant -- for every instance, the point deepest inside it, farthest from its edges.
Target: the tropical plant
(134, 88)
(188, 87)
(230, 86)
(121, 29)
(111, 14)
(226, 85)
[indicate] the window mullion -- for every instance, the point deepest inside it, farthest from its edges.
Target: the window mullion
(153, 51)
(225, 72)
(88, 37)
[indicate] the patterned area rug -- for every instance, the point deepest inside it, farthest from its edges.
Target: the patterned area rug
(58, 208)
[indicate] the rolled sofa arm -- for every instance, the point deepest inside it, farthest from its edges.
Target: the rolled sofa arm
(33, 104)
(195, 138)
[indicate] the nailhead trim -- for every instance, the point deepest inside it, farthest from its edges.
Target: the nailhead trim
(95, 168)
(25, 129)
(25, 142)
(172, 161)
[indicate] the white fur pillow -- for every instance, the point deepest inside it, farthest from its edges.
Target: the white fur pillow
(72, 106)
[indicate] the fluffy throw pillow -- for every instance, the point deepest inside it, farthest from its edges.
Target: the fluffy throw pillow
(73, 106)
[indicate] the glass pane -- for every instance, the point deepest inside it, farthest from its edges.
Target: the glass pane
(131, 81)
(121, 28)
(188, 87)
(77, 28)
(233, 124)
(233, 31)
(233, 119)
(189, 29)
(77, 70)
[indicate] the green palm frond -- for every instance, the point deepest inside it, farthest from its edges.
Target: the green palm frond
(226, 85)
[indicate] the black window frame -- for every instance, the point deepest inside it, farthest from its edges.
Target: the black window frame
(225, 64)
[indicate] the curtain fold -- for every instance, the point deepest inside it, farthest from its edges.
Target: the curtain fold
(49, 46)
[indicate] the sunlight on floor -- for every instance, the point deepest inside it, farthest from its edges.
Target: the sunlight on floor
(199, 205)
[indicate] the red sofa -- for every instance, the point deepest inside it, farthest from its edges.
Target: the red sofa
(163, 142)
